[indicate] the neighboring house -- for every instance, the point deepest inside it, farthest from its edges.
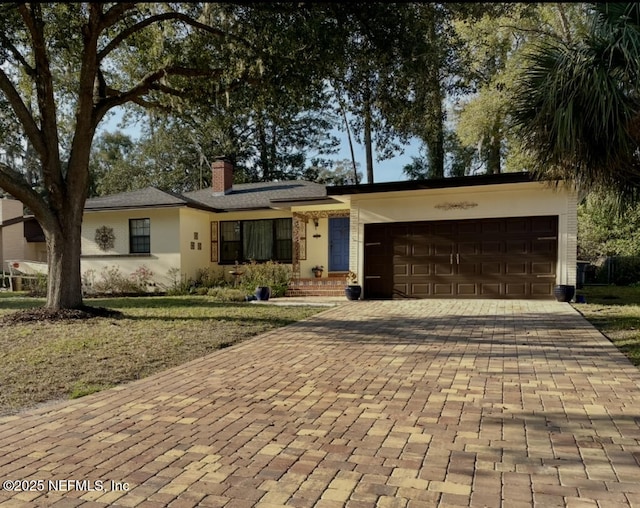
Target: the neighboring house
(20, 235)
(490, 236)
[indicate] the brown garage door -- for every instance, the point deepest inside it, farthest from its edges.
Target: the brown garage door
(485, 258)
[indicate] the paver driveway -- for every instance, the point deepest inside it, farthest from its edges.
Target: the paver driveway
(413, 403)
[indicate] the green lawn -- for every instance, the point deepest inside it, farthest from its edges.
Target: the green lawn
(43, 361)
(615, 311)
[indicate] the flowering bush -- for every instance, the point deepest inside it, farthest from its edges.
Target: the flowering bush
(114, 282)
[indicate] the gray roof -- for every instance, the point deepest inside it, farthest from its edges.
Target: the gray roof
(149, 197)
(260, 195)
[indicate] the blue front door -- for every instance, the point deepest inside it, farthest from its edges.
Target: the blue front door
(338, 244)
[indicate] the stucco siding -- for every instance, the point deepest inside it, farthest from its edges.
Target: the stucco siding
(195, 241)
(506, 200)
(164, 242)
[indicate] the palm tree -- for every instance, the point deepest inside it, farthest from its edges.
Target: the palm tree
(577, 104)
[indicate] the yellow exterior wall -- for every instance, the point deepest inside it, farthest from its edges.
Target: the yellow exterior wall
(164, 237)
(195, 241)
(505, 200)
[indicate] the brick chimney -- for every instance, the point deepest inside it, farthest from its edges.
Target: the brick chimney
(221, 175)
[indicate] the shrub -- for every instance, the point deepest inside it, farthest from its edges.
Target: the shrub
(625, 270)
(141, 278)
(272, 274)
(179, 285)
(114, 282)
(209, 277)
(38, 286)
(227, 294)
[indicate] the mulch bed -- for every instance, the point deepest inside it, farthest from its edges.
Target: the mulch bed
(42, 314)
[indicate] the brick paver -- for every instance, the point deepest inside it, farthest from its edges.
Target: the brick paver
(398, 404)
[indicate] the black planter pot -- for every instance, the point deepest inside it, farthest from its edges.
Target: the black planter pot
(263, 292)
(564, 292)
(353, 292)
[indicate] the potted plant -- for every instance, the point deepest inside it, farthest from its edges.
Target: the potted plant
(564, 292)
(353, 291)
(317, 270)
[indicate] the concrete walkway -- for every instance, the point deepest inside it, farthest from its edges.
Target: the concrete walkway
(368, 404)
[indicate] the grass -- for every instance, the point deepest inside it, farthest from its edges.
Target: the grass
(615, 311)
(45, 361)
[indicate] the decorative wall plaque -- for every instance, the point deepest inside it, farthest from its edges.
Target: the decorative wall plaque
(105, 238)
(461, 205)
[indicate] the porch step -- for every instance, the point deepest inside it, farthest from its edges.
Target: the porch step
(324, 286)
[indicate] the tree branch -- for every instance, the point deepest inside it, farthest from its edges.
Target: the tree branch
(149, 82)
(117, 40)
(14, 183)
(18, 56)
(114, 14)
(22, 112)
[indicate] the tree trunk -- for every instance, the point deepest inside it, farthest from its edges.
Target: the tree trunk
(64, 287)
(367, 141)
(494, 156)
(264, 150)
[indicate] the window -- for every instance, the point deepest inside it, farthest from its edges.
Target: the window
(256, 240)
(139, 236)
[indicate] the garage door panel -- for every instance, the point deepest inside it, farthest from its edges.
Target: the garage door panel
(491, 227)
(491, 290)
(490, 268)
(544, 225)
(542, 288)
(468, 269)
(422, 290)
(542, 268)
(420, 269)
(401, 247)
(442, 249)
(516, 247)
(401, 269)
(443, 289)
(517, 290)
(516, 268)
(468, 248)
(466, 289)
(445, 229)
(469, 227)
(515, 226)
(543, 247)
(419, 246)
(443, 269)
(490, 248)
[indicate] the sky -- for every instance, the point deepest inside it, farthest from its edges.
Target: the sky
(385, 171)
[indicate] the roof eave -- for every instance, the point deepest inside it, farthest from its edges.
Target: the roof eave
(145, 207)
(440, 183)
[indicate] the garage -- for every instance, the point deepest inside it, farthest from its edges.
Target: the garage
(508, 257)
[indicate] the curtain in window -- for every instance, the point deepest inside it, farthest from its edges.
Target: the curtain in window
(284, 244)
(258, 239)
